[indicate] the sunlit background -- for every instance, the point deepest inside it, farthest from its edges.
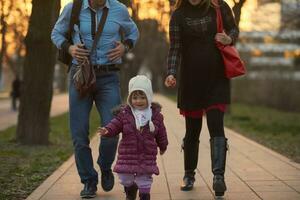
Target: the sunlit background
(268, 46)
(265, 101)
(254, 16)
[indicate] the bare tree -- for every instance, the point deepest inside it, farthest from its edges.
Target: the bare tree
(237, 9)
(33, 119)
(4, 15)
(14, 23)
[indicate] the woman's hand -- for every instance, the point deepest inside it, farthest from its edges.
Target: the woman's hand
(223, 38)
(78, 52)
(102, 131)
(170, 81)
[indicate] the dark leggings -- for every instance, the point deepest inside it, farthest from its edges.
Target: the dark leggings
(215, 125)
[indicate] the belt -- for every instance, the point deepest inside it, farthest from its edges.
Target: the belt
(105, 68)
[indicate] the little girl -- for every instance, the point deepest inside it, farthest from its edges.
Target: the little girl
(143, 130)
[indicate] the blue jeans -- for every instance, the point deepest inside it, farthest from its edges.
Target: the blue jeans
(106, 96)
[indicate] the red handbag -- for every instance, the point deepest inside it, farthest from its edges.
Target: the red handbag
(233, 64)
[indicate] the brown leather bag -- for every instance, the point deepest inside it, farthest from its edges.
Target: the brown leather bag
(84, 77)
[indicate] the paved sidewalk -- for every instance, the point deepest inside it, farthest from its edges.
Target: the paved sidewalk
(9, 118)
(253, 171)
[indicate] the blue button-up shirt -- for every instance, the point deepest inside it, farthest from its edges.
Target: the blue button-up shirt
(118, 19)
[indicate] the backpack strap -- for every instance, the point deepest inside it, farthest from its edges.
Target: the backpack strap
(74, 17)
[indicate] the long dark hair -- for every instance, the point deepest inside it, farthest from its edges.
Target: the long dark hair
(205, 3)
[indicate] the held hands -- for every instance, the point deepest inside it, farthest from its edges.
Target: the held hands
(78, 52)
(223, 38)
(170, 81)
(117, 52)
(102, 131)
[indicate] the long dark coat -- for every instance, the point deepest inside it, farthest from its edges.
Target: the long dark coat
(201, 71)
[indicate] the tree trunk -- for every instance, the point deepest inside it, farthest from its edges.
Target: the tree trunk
(3, 40)
(33, 119)
(237, 9)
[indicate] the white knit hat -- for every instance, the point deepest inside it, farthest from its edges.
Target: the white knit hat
(141, 82)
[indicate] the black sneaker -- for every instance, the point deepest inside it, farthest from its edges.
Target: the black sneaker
(89, 190)
(107, 180)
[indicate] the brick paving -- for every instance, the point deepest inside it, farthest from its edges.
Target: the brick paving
(253, 171)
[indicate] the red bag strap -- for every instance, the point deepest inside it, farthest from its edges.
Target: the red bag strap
(218, 16)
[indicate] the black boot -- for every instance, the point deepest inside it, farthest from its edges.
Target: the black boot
(191, 150)
(131, 192)
(144, 196)
(218, 146)
(188, 181)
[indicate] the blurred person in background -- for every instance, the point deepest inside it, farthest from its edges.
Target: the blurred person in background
(15, 93)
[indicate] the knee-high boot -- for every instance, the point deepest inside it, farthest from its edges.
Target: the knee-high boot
(190, 149)
(218, 146)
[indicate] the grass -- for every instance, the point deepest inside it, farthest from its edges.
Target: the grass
(275, 129)
(23, 168)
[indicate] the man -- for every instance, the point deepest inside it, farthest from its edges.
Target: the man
(107, 93)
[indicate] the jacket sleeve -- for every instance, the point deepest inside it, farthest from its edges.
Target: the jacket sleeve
(161, 136)
(129, 27)
(58, 34)
(115, 126)
(174, 54)
(229, 22)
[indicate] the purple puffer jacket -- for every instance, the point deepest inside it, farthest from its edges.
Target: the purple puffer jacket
(138, 149)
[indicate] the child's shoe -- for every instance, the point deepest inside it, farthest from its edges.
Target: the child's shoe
(144, 196)
(131, 192)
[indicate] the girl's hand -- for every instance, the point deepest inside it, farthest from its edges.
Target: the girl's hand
(170, 81)
(78, 52)
(223, 38)
(102, 131)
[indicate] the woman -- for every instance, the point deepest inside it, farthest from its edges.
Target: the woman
(203, 87)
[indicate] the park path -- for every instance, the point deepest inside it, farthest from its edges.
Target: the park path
(9, 118)
(253, 171)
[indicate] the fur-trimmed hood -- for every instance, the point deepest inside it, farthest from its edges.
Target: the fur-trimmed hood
(156, 107)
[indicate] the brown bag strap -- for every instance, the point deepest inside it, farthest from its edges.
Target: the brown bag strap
(100, 29)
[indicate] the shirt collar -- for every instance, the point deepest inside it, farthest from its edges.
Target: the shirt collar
(85, 4)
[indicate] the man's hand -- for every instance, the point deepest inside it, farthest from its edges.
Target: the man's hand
(170, 81)
(117, 52)
(102, 131)
(223, 38)
(78, 52)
